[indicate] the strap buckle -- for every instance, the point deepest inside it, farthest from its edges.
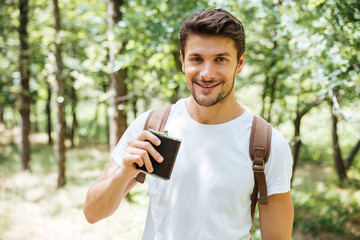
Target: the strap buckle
(258, 168)
(259, 154)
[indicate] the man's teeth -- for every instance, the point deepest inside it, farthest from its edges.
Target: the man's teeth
(208, 86)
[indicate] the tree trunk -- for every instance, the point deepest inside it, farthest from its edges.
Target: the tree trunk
(73, 112)
(296, 142)
(60, 114)
(339, 163)
(265, 90)
(134, 105)
(117, 86)
(268, 96)
(118, 123)
(2, 121)
(300, 113)
(73, 98)
(48, 113)
(273, 83)
(175, 97)
(35, 125)
(24, 65)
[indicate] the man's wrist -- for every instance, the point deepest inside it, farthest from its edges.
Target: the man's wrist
(125, 173)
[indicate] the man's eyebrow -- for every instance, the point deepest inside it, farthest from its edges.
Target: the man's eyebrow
(194, 55)
(223, 54)
(217, 55)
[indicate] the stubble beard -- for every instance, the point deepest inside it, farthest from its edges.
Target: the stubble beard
(209, 102)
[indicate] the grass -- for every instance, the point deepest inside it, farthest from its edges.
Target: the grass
(31, 207)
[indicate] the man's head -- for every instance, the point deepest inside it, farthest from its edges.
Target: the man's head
(214, 22)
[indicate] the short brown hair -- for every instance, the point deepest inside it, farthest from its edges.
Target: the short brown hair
(216, 22)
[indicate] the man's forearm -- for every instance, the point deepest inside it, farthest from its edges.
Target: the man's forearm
(104, 197)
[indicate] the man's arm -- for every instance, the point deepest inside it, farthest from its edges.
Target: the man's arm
(105, 195)
(276, 217)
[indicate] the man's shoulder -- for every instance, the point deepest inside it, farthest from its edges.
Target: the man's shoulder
(280, 149)
(278, 139)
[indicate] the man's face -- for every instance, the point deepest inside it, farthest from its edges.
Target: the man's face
(210, 64)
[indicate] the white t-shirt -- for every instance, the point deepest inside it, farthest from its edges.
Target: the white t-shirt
(208, 195)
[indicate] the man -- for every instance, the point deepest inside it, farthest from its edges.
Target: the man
(208, 195)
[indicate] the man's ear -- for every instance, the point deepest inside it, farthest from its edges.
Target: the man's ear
(182, 61)
(240, 64)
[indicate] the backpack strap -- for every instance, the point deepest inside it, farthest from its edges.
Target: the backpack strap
(156, 120)
(260, 144)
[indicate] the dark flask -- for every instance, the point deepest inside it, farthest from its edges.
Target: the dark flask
(168, 148)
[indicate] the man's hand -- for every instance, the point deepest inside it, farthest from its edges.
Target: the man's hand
(105, 195)
(137, 152)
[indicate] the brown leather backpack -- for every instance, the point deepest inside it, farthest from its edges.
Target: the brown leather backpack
(259, 150)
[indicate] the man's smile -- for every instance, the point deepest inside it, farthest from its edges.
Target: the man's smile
(208, 86)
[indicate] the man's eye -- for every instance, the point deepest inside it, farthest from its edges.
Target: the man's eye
(197, 59)
(220, 59)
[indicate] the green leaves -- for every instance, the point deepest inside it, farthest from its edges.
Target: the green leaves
(325, 210)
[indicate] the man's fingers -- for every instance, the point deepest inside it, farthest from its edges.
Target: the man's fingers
(148, 136)
(135, 144)
(139, 150)
(131, 159)
(145, 157)
(139, 157)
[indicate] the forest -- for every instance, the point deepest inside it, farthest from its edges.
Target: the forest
(74, 74)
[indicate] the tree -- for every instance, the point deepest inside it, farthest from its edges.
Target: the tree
(74, 124)
(153, 53)
(117, 76)
(341, 63)
(9, 58)
(342, 165)
(60, 89)
(48, 113)
(24, 68)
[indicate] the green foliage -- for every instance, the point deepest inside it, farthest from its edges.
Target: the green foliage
(92, 122)
(297, 53)
(328, 210)
(9, 76)
(8, 152)
(150, 32)
(321, 206)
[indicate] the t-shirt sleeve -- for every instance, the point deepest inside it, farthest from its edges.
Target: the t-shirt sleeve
(278, 169)
(133, 131)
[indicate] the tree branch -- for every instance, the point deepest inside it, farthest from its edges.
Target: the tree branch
(352, 155)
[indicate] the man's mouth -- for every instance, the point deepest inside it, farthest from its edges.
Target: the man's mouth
(207, 85)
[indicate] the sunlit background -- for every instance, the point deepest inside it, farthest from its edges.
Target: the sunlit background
(121, 58)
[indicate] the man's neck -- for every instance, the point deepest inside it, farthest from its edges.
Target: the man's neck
(219, 113)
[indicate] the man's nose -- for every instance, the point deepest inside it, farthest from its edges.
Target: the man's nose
(208, 72)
